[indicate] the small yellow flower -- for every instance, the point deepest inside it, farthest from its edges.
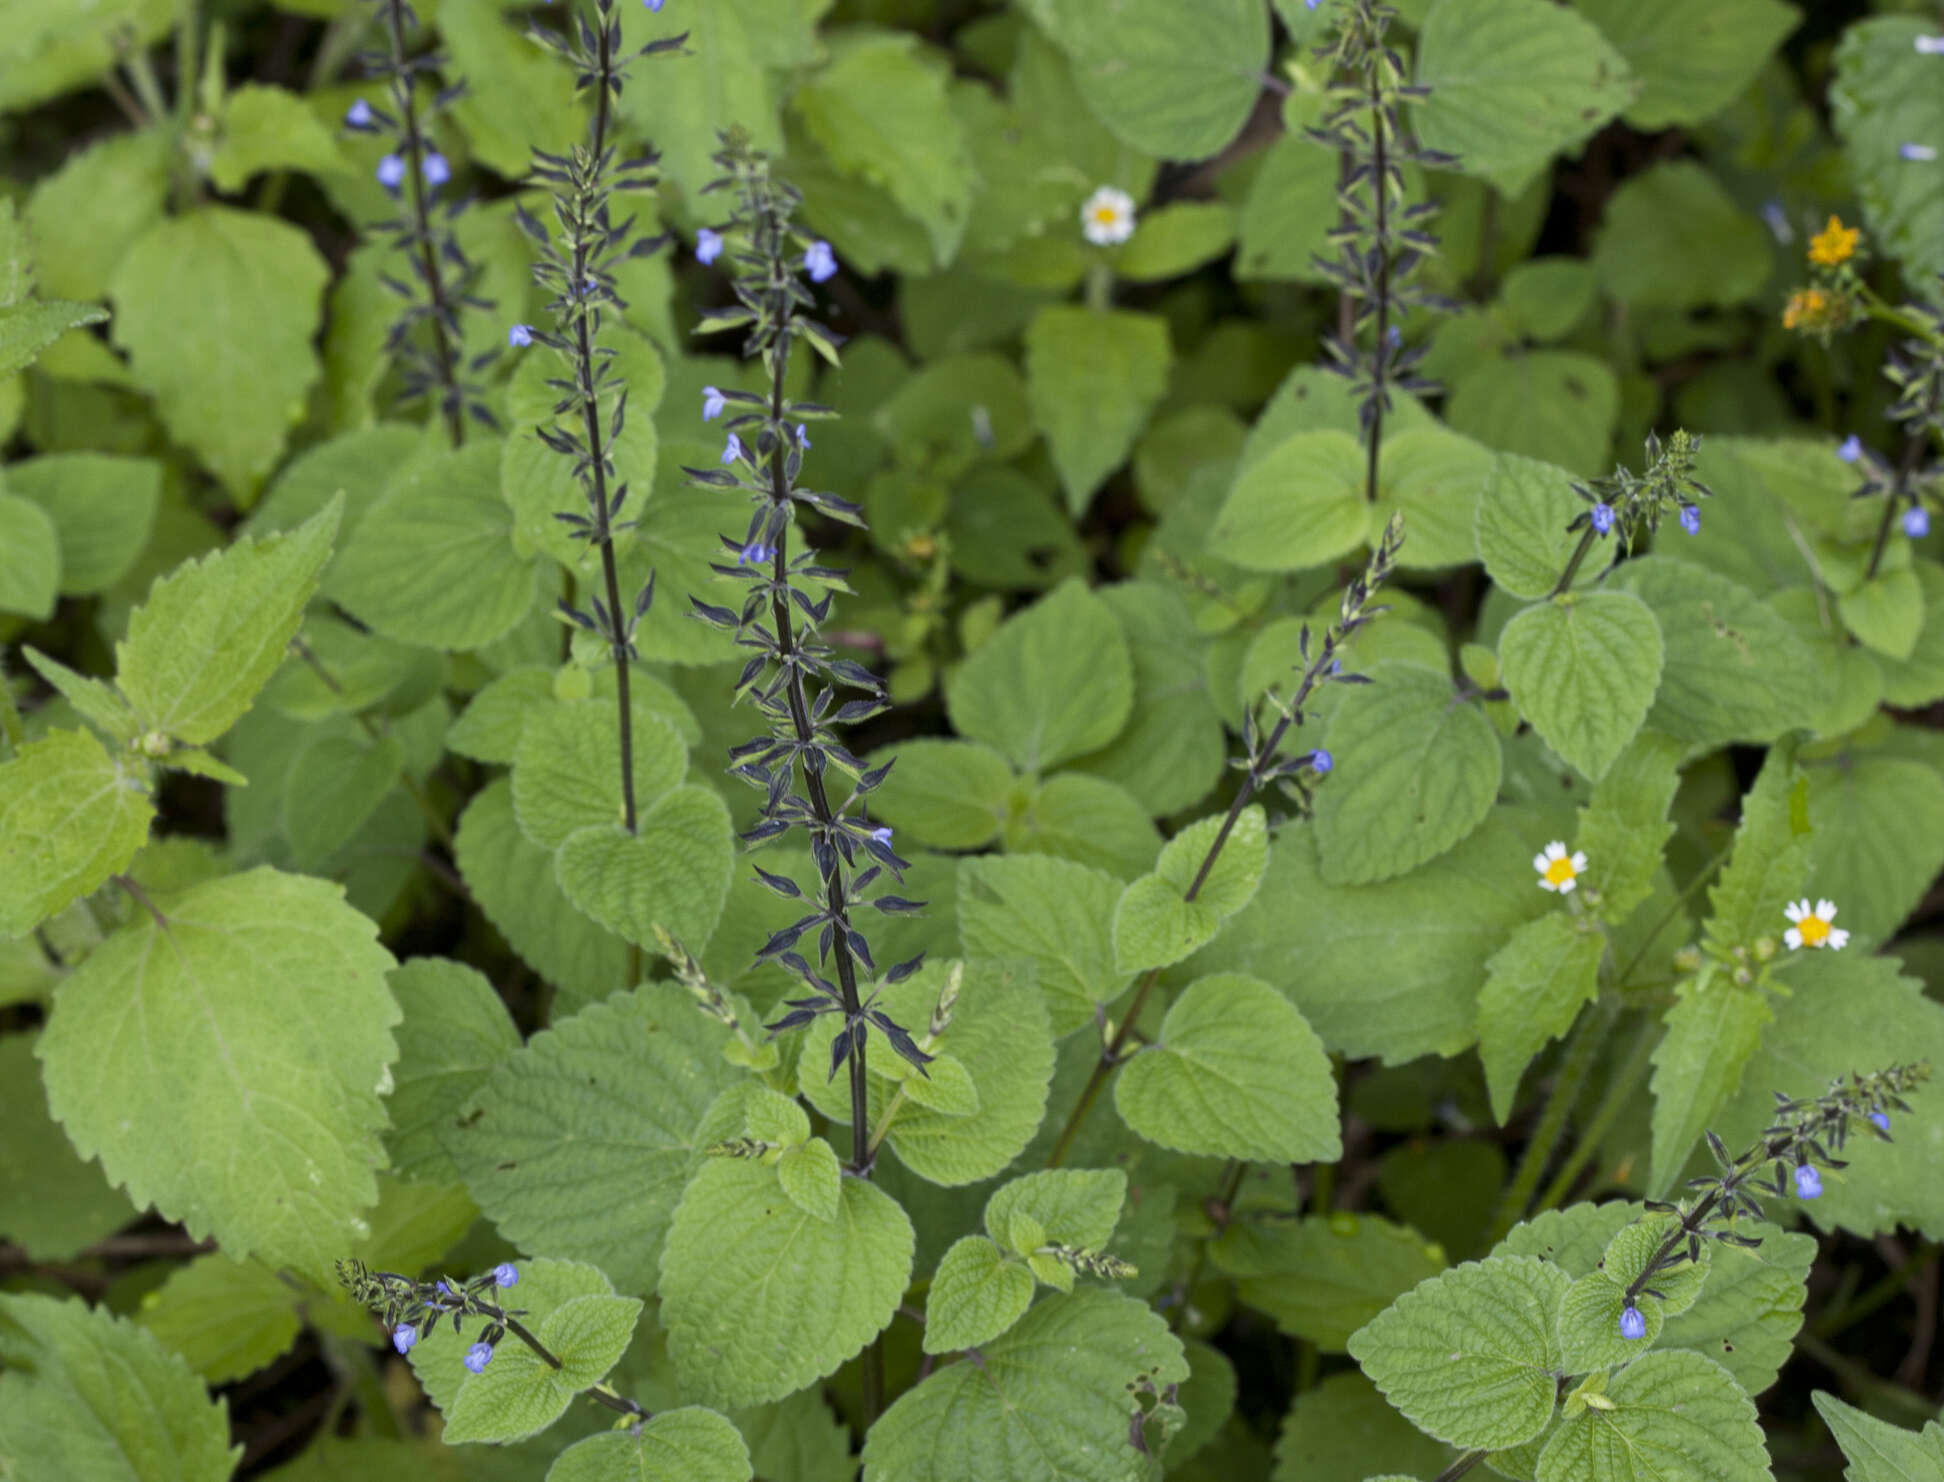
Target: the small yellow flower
(1818, 311)
(1812, 926)
(1835, 244)
(1557, 869)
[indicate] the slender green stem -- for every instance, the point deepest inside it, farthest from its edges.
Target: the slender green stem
(1565, 582)
(1619, 1093)
(1581, 1049)
(1459, 1467)
(1221, 1209)
(1915, 442)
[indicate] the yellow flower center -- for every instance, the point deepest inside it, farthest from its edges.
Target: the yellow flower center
(1560, 871)
(1106, 215)
(1815, 931)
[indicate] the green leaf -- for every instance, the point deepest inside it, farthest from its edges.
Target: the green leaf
(1748, 1314)
(1771, 858)
(488, 729)
(567, 768)
(1324, 1277)
(1879, 829)
(1469, 1356)
(976, 1294)
(1623, 827)
(1433, 478)
(811, 1175)
(1691, 61)
(455, 1033)
(1053, 682)
(1156, 924)
(432, 562)
(84, 216)
(1847, 1011)
(1636, 1246)
(1917, 681)
(1885, 613)
(1673, 238)
(1093, 379)
(878, 108)
(1287, 216)
(1672, 1414)
(1521, 523)
(333, 787)
(759, 1298)
(103, 509)
(612, 1097)
(90, 1397)
(520, 1394)
(1415, 772)
(1734, 670)
(267, 128)
(1535, 986)
(1342, 1430)
(513, 882)
(1394, 969)
(1234, 1073)
(1589, 1324)
(226, 1318)
(1547, 297)
(1558, 406)
(1878, 1451)
(1713, 1031)
(1881, 99)
(1177, 239)
(1085, 819)
(256, 1021)
(214, 630)
(1172, 82)
(52, 1205)
(1513, 83)
(1056, 913)
(694, 1444)
(1055, 1396)
(928, 423)
(30, 559)
(1074, 1206)
(1298, 505)
(519, 98)
(70, 816)
(28, 328)
(998, 1033)
(217, 308)
(672, 872)
(1583, 669)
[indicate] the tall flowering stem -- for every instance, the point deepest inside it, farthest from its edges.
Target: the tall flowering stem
(425, 337)
(1803, 1134)
(1265, 726)
(1916, 370)
(577, 266)
(793, 678)
(1627, 505)
(1379, 237)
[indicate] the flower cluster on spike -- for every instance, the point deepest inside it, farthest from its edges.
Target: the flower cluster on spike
(1780, 1164)
(1626, 505)
(575, 261)
(803, 688)
(437, 280)
(411, 1310)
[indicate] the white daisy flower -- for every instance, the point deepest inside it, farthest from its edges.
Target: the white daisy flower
(1108, 217)
(1812, 928)
(1557, 869)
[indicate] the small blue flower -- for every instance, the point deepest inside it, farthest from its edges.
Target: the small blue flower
(1394, 336)
(520, 336)
(1808, 1182)
(1916, 522)
(713, 401)
(404, 1336)
(733, 449)
(1690, 519)
(820, 262)
(1851, 448)
(445, 1290)
(1633, 1323)
(882, 835)
(653, 5)
(506, 1274)
(1312, 4)
(1321, 761)
(359, 116)
(1778, 221)
(1880, 1119)
(1917, 154)
(391, 172)
(708, 246)
(1929, 46)
(803, 437)
(437, 170)
(478, 1357)
(1603, 517)
(754, 554)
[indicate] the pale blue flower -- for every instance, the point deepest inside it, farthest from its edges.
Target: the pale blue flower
(820, 262)
(1808, 1182)
(437, 170)
(1851, 448)
(359, 116)
(708, 246)
(1916, 522)
(1321, 761)
(1633, 1323)
(882, 835)
(520, 336)
(803, 437)
(404, 1336)
(478, 1357)
(754, 554)
(653, 5)
(713, 402)
(391, 172)
(1603, 517)
(1917, 154)
(1880, 1119)
(506, 1274)
(1929, 46)
(733, 449)
(1690, 519)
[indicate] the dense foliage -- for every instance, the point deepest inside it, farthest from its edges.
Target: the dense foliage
(1088, 739)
